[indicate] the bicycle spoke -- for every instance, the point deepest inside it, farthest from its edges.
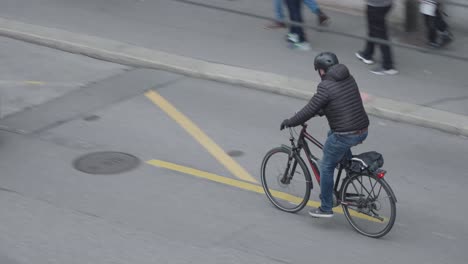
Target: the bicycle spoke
(380, 189)
(367, 211)
(355, 188)
(363, 187)
(373, 188)
(373, 215)
(389, 197)
(377, 216)
(287, 187)
(370, 183)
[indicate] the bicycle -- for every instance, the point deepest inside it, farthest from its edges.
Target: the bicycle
(358, 193)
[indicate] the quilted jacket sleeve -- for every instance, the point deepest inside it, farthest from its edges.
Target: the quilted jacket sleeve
(314, 107)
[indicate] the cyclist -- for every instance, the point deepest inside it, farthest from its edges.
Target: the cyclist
(337, 98)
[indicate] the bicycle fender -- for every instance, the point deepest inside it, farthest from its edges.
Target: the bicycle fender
(391, 191)
(286, 147)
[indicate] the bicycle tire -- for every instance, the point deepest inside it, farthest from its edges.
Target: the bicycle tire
(348, 197)
(280, 198)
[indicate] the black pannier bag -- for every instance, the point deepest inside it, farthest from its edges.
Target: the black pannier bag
(370, 161)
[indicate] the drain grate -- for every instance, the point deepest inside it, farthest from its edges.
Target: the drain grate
(235, 153)
(107, 162)
(91, 118)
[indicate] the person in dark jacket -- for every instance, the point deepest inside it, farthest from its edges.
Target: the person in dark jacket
(377, 11)
(337, 98)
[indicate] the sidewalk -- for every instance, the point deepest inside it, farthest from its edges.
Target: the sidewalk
(264, 62)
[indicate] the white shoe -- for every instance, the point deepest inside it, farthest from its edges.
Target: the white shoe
(302, 46)
(291, 37)
(366, 61)
(382, 71)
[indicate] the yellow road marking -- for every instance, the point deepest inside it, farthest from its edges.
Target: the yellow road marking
(246, 186)
(200, 136)
(34, 82)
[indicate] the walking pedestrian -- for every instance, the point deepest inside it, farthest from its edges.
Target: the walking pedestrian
(437, 29)
(323, 19)
(296, 36)
(377, 11)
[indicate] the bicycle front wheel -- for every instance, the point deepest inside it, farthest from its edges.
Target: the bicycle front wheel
(369, 205)
(287, 187)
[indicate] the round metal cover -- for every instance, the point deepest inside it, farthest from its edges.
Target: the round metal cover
(106, 162)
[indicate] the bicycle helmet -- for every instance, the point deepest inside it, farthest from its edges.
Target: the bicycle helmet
(325, 60)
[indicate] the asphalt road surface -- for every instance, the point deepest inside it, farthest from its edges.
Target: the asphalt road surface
(166, 210)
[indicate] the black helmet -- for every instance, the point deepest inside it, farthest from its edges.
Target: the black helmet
(325, 60)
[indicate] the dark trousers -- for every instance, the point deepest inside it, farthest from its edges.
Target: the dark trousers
(295, 15)
(378, 29)
(434, 23)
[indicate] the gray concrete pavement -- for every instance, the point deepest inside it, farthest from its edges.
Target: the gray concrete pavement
(31, 75)
(53, 213)
(136, 56)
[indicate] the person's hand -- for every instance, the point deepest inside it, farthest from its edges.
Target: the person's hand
(284, 124)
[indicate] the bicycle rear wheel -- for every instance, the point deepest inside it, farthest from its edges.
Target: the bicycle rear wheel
(369, 205)
(288, 193)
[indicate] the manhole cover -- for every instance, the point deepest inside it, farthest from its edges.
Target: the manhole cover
(106, 162)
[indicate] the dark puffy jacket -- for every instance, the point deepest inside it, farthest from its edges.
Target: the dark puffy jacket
(337, 98)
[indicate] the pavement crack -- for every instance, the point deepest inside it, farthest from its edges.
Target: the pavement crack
(445, 100)
(168, 83)
(259, 254)
(3, 189)
(233, 234)
(8, 190)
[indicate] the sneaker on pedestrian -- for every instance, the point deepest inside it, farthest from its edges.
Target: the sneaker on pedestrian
(319, 213)
(323, 19)
(445, 38)
(446, 35)
(434, 45)
(382, 71)
(276, 24)
(302, 46)
(364, 59)
(292, 37)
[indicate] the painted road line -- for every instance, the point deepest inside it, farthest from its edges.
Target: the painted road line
(200, 136)
(245, 185)
(39, 83)
(34, 82)
(11, 82)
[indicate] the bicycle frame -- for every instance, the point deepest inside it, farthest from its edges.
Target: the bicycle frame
(304, 136)
(362, 197)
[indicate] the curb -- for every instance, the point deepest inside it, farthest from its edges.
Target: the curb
(126, 54)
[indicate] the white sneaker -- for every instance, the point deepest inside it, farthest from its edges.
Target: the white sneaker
(382, 71)
(363, 59)
(302, 46)
(391, 72)
(291, 37)
(318, 213)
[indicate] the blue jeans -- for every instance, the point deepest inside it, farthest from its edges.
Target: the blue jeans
(278, 5)
(295, 15)
(335, 148)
